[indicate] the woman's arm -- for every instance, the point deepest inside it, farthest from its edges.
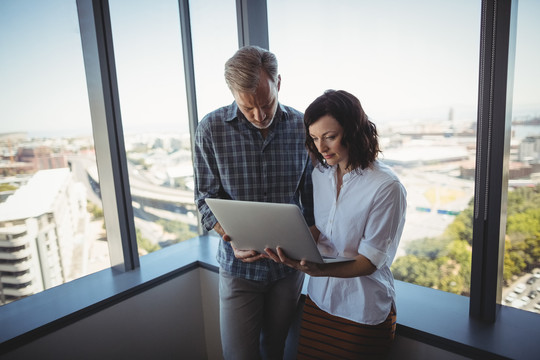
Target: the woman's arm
(360, 266)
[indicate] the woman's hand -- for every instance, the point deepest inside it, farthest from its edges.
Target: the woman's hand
(310, 268)
(359, 266)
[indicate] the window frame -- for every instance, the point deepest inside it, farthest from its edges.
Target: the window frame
(497, 54)
(100, 68)
(252, 23)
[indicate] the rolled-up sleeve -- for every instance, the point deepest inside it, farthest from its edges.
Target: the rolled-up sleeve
(385, 224)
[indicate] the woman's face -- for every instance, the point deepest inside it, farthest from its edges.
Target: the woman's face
(327, 134)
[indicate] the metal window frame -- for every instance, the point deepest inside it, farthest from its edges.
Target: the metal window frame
(189, 73)
(497, 53)
(252, 21)
(99, 64)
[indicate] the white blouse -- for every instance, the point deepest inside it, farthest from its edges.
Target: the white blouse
(367, 219)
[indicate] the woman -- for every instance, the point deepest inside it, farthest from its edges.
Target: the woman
(359, 212)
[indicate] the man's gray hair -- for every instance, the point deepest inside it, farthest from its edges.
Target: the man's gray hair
(242, 71)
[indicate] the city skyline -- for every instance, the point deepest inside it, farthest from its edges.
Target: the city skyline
(155, 96)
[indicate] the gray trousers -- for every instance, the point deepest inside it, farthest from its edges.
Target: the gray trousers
(255, 316)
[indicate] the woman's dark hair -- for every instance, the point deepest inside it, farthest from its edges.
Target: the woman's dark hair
(359, 133)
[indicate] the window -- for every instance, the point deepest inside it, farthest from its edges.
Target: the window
(473, 331)
(521, 280)
(215, 40)
(47, 163)
(148, 54)
(418, 82)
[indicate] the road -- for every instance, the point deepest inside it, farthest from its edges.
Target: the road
(147, 198)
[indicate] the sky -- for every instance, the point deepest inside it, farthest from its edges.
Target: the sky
(379, 51)
(404, 60)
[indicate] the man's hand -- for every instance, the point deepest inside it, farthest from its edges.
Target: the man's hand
(247, 256)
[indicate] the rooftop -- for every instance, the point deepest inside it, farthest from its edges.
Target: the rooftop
(36, 197)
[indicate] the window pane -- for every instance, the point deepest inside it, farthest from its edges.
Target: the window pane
(416, 75)
(215, 40)
(51, 219)
(148, 54)
(521, 284)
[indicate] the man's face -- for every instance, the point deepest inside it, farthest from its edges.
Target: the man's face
(260, 107)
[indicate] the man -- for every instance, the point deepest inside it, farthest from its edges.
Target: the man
(253, 150)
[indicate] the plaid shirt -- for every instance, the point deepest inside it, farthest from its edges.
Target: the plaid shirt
(233, 161)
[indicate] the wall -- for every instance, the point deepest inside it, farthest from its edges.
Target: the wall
(164, 322)
(409, 349)
(210, 304)
(161, 323)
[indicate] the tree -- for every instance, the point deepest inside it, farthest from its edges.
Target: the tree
(418, 270)
(96, 211)
(444, 262)
(462, 226)
(426, 247)
(455, 268)
(522, 244)
(7, 187)
(526, 222)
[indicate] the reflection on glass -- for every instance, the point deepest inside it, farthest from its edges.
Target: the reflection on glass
(521, 279)
(148, 52)
(418, 82)
(51, 219)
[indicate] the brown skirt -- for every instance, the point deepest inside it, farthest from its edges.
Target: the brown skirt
(324, 336)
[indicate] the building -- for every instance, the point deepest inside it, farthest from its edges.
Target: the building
(37, 241)
(417, 155)
(516, 170)
(41, 157)
(529, 150)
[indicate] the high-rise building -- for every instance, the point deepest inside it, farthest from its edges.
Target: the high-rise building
(529, 150)
(39, 233)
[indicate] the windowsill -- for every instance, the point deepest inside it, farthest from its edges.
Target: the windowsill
(435, 317)
(28, 318)
(442, 319)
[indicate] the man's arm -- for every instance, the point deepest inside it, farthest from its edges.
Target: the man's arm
(219, 229)
(207, 183)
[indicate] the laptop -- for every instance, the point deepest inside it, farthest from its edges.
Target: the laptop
(259, 225)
